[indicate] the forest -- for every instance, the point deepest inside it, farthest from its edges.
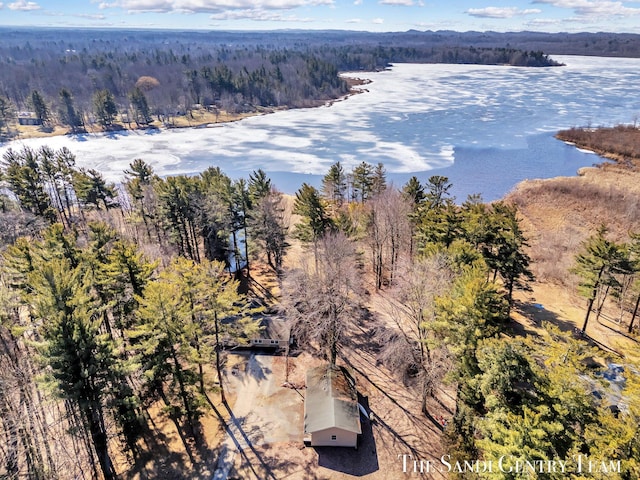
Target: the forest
(107, 78)
(116, 300)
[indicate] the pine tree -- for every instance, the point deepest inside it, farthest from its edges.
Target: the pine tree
(598, 258)
(68, 113)
(163, 345)
(502, 245)
(471, 311)
(105, 107)
(310, 206)
(259, 185)
(439, 187)
(40, 107)
(139, 185)
(178, 206)
(334, 184)
(80, 356)
(269, 227)
(23, 173)
(379, 180)
(140, 106)
(363, 180)
(91, 188)
(414, 190)
(214, 213)
(7, 114)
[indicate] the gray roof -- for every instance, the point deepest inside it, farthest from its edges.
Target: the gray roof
(331, 401)
(274, 326)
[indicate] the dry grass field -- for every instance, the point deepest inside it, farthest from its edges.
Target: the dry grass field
(558, 214)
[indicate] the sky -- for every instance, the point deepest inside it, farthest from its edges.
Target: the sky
(369, 15)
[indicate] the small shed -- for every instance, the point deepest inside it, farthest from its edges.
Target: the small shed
(331, 414)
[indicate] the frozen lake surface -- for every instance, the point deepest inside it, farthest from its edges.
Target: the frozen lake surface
(485, 127)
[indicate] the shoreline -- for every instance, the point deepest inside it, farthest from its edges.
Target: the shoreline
(202, 118)
(27, 132)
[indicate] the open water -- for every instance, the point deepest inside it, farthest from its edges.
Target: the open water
(485, 127)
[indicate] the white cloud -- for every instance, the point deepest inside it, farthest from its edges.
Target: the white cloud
(357, 2)
(594, 8)
(545, 21)
(90, 16)
(404, 3)
(354, 20)
(1, 4)
(208, 6)
(500, 12)
(258, 15)
(23, 5)
(378, 21)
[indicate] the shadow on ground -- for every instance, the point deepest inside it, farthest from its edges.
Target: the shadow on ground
(537, 314)
(358, 463)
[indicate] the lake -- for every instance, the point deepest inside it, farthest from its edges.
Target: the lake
(485, 127)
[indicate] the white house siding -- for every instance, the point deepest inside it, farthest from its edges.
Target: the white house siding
(344, 438)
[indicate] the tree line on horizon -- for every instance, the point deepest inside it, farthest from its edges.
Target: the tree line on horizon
(94, 332)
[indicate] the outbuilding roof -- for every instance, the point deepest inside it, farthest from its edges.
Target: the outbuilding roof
(331, 401)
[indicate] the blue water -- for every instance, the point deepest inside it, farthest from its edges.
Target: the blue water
(485, 127)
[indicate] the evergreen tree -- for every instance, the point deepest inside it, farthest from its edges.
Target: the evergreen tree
(91, 188)
(269, 228)
(472, 311)
(363, 180)
(140, 107)
(259, 185)
(502, 244)
(438, 193)
(598, 258)
(138, 185)
(163, 344)
(68, 113)
(310, 206)
(214, 213)
(7, 113)
(334, 184)
(379, 180)
(414, 191)
(40, 107)
(23, 173)
(178, 207)
(105, 108)
(80, 356)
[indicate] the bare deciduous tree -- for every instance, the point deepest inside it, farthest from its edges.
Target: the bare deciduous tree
(388, 231)
(411, 347)
(270, 225)
(321, 298)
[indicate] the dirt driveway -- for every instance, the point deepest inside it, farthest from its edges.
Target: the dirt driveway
(265, 440)
(264, 416)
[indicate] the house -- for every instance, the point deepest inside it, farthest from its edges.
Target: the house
(274, 333)
(28, 118)
(331, 414)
